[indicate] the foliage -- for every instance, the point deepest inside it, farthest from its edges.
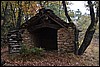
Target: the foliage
(37, 51)
(24, 50)
(71, 13)
(83, 23)
(10, 9)
(57, 7)
(34, 50)
(15, 13)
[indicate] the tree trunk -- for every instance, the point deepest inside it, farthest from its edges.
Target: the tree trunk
(76, 30)
(5, 14)
(90, 31)
(66, 13)
(13, 16)
(19, 16)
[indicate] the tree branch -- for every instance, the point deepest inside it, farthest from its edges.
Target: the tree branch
(66, 11)
(92, 14)
(19, 15)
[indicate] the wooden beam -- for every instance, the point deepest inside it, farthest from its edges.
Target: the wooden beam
(59, 23)
(45, 25)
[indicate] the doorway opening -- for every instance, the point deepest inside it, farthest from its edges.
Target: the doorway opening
(46, 38)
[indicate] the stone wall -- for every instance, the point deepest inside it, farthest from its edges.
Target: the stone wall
(65, 40)
(27, 40)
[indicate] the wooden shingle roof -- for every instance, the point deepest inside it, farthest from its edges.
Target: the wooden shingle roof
(46, 16)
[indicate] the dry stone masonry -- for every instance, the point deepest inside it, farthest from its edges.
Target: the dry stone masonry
(27, 40)
(65, 40)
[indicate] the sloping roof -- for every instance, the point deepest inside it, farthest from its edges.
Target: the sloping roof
(46, 13)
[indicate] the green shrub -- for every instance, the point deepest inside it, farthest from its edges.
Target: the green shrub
(35, 50)
(24, 50)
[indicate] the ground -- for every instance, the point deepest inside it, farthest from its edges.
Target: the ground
(53, 58)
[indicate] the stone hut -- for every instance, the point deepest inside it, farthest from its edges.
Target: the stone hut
(48, 31)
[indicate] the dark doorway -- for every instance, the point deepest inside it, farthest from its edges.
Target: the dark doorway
(46, 38)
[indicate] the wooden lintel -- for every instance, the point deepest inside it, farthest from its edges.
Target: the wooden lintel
(45, 25)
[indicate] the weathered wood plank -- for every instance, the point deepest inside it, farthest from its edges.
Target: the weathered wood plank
(14, 41)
